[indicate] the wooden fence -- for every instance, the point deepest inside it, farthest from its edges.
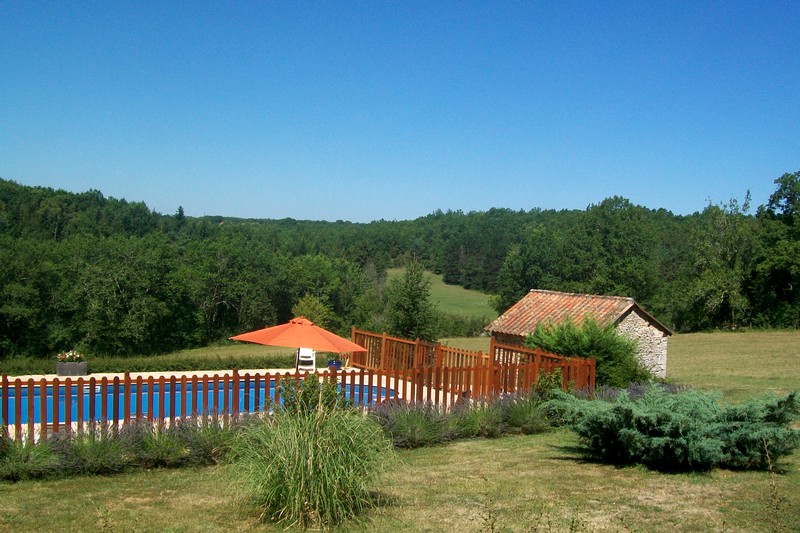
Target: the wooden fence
(390, 353)
(31, 409)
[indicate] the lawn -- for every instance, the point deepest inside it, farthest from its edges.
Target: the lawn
(526, 483)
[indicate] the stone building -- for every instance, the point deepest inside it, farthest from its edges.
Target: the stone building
(551, 307)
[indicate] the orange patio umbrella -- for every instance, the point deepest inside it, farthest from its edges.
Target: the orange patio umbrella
(300, 333)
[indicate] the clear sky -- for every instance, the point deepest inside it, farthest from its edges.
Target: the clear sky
(366, 110)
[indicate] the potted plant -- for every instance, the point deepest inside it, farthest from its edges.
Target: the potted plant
(71, 363)
(335, 363)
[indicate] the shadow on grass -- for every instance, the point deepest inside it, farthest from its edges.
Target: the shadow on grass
(583, 456)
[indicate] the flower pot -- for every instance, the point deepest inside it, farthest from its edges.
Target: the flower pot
(335, 364)
(71, 369)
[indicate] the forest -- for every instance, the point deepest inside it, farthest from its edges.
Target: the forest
(108, 276)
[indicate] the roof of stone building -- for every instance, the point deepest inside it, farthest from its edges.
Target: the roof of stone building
(552, 307)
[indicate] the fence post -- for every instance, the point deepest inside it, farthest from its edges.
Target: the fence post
(5, 396)
(383, 351)
(18, 411)
(126, 398)
(54, 403)
(235, 394)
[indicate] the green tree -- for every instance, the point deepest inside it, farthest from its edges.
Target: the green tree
(411, 314)
(314, 308)
(713, 291)
(776, 283)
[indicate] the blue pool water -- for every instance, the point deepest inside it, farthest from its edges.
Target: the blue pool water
(209, 401)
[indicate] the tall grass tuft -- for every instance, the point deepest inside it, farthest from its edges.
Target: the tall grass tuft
(481, 419)
(524, 413)
(96, 450)
(153, 445)
(413, 425)
(313, 468)
(23, 461)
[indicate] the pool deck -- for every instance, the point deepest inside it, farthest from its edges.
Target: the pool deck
(169, 374)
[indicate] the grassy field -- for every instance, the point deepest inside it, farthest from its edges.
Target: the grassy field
(738, 364)
(455, 299)
(530, 483)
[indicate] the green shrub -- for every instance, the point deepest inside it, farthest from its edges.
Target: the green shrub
(413, 425)
(547, 382)
(758, 423)
(524, 413)
(206, 440)
(96, 450)
(23, 461)
(310, 393)
(483, 419)
(154, 445)
(458, 325)
(683, 431)
(615, 355)
(311, 469)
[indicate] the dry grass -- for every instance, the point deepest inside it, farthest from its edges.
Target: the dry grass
(533, 483)
(738, 364)
(542, 482)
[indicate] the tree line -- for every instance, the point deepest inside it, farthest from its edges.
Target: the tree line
(111, 276)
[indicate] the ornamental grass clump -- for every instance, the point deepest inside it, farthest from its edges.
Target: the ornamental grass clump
(207, 439)
(524, 413)
(480, 419)
(413, 424)
(313, 468)
(23, 461)
(93, 451)
(154, 445)
(684, 431)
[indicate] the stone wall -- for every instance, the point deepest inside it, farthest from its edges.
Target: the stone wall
(513, 340)
(652, 342)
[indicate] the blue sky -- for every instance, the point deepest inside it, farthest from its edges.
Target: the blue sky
(367, 110)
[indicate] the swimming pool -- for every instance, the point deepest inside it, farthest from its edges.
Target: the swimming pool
(175, 400)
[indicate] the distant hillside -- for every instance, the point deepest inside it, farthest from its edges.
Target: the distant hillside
(453, 299)
(83, 268)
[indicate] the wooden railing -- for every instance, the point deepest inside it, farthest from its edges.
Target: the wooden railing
(391, 353)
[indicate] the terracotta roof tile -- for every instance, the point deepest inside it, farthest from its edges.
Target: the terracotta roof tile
(551, 306)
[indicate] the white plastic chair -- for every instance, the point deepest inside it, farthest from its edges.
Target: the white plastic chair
(306, 360)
